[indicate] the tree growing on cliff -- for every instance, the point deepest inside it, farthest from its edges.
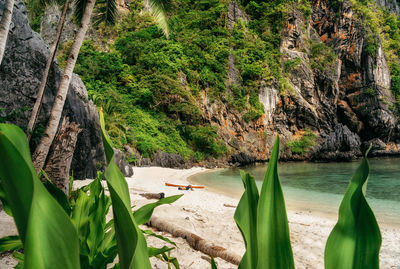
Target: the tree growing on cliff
(5, 25)
(53, 49)
(107, 13)
(83, 13)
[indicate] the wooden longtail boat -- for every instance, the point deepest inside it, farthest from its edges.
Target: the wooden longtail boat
(184, 186)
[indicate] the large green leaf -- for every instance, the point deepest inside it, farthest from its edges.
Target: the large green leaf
(57, 194)
(15, 164)
(274, 249)
(157, 251)
(246, 219)
(143, 214)
(355, 240)
(100, 205)
(9, 243)
(151, 233)
(48, 235)
(132, 247)
(4, 202)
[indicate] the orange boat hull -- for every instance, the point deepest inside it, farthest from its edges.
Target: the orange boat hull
(184, 186)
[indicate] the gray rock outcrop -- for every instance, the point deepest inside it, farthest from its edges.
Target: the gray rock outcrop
(48, 25)
(341, 144)
(234, 14)
(124, 166)
(241, 159)
(390, 5)
(20, 74)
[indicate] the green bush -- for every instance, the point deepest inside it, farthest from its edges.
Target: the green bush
(204, 140)
(303, 144)
(372, 45)
(291, 65)
(322, 56)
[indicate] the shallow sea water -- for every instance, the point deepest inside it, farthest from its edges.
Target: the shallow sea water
(319, 187)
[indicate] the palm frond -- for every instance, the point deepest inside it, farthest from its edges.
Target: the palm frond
(158, 11)
(80, 6)
(106, 11)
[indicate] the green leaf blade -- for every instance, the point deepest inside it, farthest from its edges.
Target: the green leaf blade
(355, 241)
(9, 243)
(14, 173)
(143, 214)
(132, 247)
(213, 264)
(45, 229)
(246, 220)
(274, 248)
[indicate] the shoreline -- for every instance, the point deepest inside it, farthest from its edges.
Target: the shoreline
(203, 213)
(295, 202)
(227, 164)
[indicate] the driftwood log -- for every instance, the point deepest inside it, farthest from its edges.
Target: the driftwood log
(60, 157)
(156, 196)
(195, 241)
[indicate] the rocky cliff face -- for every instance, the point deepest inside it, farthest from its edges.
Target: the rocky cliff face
(391, 5)
(345, 100)
(335, 87)
(20, 74)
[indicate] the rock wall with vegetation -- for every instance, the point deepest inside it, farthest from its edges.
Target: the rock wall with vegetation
(20, 75)
(323, 74)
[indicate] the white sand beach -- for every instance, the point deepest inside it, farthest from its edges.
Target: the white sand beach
(203, 213)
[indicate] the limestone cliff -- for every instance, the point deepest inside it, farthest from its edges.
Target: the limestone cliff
(349, 99)
(334, 87)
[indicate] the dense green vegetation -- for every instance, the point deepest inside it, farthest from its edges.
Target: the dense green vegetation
(151, 87)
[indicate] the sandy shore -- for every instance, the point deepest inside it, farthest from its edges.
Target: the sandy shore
(203, 213)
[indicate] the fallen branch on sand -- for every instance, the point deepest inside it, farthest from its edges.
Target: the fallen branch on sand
(156, 196)
(195, 241)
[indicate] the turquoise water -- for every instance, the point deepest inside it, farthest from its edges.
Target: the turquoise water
(319, 187)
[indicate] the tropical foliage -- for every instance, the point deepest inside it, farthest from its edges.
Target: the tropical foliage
(151, 87)
(353, 243)
(263, 222)
(75, 234)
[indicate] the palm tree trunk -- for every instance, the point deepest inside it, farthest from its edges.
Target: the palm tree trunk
(61, 153)
(40, 154)
(195, 241)
(5, 26)
(53, 49)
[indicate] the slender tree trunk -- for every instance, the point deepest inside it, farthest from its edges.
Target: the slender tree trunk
(53, 49)
(40, 154)
(61, 153)
(5, 26)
